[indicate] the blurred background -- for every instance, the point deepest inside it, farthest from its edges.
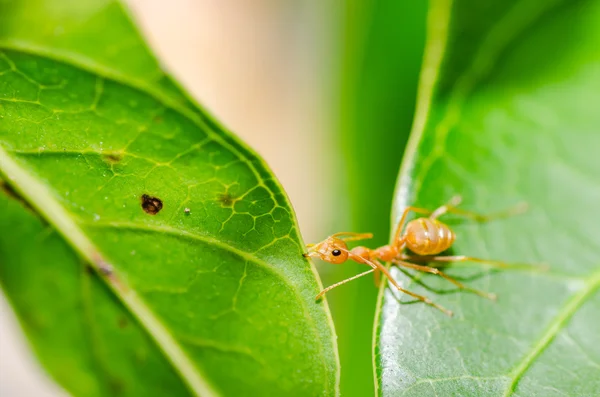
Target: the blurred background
(310, 85)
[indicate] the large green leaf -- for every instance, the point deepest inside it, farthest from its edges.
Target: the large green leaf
(114, 299)
(382, 47)
(508, 112)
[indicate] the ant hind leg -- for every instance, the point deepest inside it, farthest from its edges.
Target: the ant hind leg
(377, 265)
(451, 208)
(425, 300)
(463, 258)
(433, 270)
(448, 207)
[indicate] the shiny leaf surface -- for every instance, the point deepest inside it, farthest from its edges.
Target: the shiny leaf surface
(508, 112)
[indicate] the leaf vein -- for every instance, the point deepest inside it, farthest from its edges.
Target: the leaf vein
(559, 322)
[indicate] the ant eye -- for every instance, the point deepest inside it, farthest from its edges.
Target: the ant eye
(336, 252)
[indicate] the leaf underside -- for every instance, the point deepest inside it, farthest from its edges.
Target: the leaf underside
(191, 220)
(513, 117)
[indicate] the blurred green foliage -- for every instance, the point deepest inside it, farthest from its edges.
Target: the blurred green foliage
(382, 45)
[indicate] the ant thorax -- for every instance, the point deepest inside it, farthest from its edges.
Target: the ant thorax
(386, 253)
(359, 254)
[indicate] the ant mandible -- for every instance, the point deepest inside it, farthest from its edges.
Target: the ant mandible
(427, 237)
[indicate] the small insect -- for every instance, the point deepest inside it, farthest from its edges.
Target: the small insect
(426, 237)
(187, 211)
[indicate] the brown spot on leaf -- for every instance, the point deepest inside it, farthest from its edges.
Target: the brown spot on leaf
(226, 199)
(151, 205)
(123, 322)
(112, 158)
(105, 268)
(116, 386)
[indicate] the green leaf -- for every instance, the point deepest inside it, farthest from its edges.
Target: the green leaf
(79, 32)
(507, 112)
(116, 300)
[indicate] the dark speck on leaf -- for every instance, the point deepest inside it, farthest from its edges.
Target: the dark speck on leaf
(112, 158)
(123, 322)
(226, 200)
(116, 386)
(151, 205)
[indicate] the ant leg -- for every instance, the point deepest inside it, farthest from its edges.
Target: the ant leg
(462, 258)
(398, 233)
(507, 213)
(425, 300)
(342, 282)
(433, 270)
(451, 208)
(377, 278)
(377, 265)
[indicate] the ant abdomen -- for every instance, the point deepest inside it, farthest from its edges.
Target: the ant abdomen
(426, 236)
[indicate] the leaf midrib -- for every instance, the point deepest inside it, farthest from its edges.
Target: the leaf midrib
(555, 326)
(36, 194)
(573, 303)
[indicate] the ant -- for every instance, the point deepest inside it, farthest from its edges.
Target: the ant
(427, 237)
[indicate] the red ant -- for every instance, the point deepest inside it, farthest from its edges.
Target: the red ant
(426, 237)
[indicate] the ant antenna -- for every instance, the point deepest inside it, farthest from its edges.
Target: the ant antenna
(326, 290)
(351, 236)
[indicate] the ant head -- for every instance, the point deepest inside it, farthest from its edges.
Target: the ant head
(332, 249)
